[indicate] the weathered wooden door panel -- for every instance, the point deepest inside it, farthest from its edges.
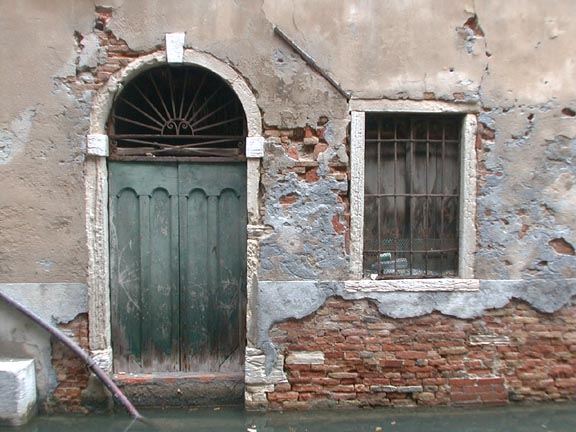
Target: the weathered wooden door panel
(144, 260)
(214, 218)
(178, 240)
(160, 294)
(194, 279)
(125, 278)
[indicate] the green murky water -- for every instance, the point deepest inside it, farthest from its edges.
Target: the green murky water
(541, 418)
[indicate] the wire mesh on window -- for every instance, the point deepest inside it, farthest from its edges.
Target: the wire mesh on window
(179, 112)
(411, 196)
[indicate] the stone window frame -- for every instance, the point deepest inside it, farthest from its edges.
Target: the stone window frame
(468, 179)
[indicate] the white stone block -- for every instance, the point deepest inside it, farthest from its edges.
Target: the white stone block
(97, 145)
(175, 47)
(305, 357)
(18, 390)
(255, 147)
(255, 370)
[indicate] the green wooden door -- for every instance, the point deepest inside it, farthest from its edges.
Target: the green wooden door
(178, 260)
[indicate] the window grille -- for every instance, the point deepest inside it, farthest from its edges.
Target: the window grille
(411, 195)
(178, 112)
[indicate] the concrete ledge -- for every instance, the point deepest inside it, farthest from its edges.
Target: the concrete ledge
(176, 390)
(55, 302)
(413, 106)
(18, 390)
(413, 285)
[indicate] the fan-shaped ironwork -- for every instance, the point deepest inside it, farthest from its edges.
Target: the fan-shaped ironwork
(178, 112)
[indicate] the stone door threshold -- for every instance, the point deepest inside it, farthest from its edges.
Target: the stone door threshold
(177, 390)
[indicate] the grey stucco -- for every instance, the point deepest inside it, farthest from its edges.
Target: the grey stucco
(526, 193)
(42, 127)
(303, 244)
(56, 303)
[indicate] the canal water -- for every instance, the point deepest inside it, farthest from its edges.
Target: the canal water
(539, 418)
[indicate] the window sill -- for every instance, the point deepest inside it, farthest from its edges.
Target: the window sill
(413, 285)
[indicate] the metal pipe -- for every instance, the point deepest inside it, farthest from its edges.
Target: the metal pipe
(311, 62)
(89, 361)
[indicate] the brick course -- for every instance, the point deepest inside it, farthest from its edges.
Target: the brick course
(372, 360)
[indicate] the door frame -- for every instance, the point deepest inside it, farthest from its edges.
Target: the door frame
(96, 193)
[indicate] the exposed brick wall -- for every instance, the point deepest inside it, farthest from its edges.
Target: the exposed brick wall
(304, 146)
(113, 55)
(71, 372)
(348, 354)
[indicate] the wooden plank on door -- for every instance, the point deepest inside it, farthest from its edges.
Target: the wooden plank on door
(213, 273)
(144, 271)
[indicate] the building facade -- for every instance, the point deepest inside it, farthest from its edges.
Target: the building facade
(291, 204)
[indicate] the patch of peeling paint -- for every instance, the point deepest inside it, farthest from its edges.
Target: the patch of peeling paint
(526, 194)
(304, 243)
(13, 138)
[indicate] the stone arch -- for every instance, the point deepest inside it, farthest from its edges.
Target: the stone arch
(105, 97)
(96, 187)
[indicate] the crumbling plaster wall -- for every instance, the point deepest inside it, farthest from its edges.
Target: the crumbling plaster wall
(510, 58)
(42, 129)
(457, 51)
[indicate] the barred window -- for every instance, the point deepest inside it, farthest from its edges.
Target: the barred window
(411, 195)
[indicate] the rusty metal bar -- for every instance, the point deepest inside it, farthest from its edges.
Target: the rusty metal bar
(164, 159)
(141, 111)
(442, 256)
(379, 200)
(210, 114)
(414, 195)
(159, 94)
(177, 137)
(198, 91)
(136, 122)
(220, 123)
(418, 247)
(426, 198)
(78, 351)
(396, 222)
(149, 102)
(178, 105)
(199, 110)
(311, 62)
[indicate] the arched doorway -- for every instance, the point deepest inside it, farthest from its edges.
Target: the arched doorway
(177, 211)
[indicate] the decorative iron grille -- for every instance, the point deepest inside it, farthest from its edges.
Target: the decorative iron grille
(411, 196)
(178, 112)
